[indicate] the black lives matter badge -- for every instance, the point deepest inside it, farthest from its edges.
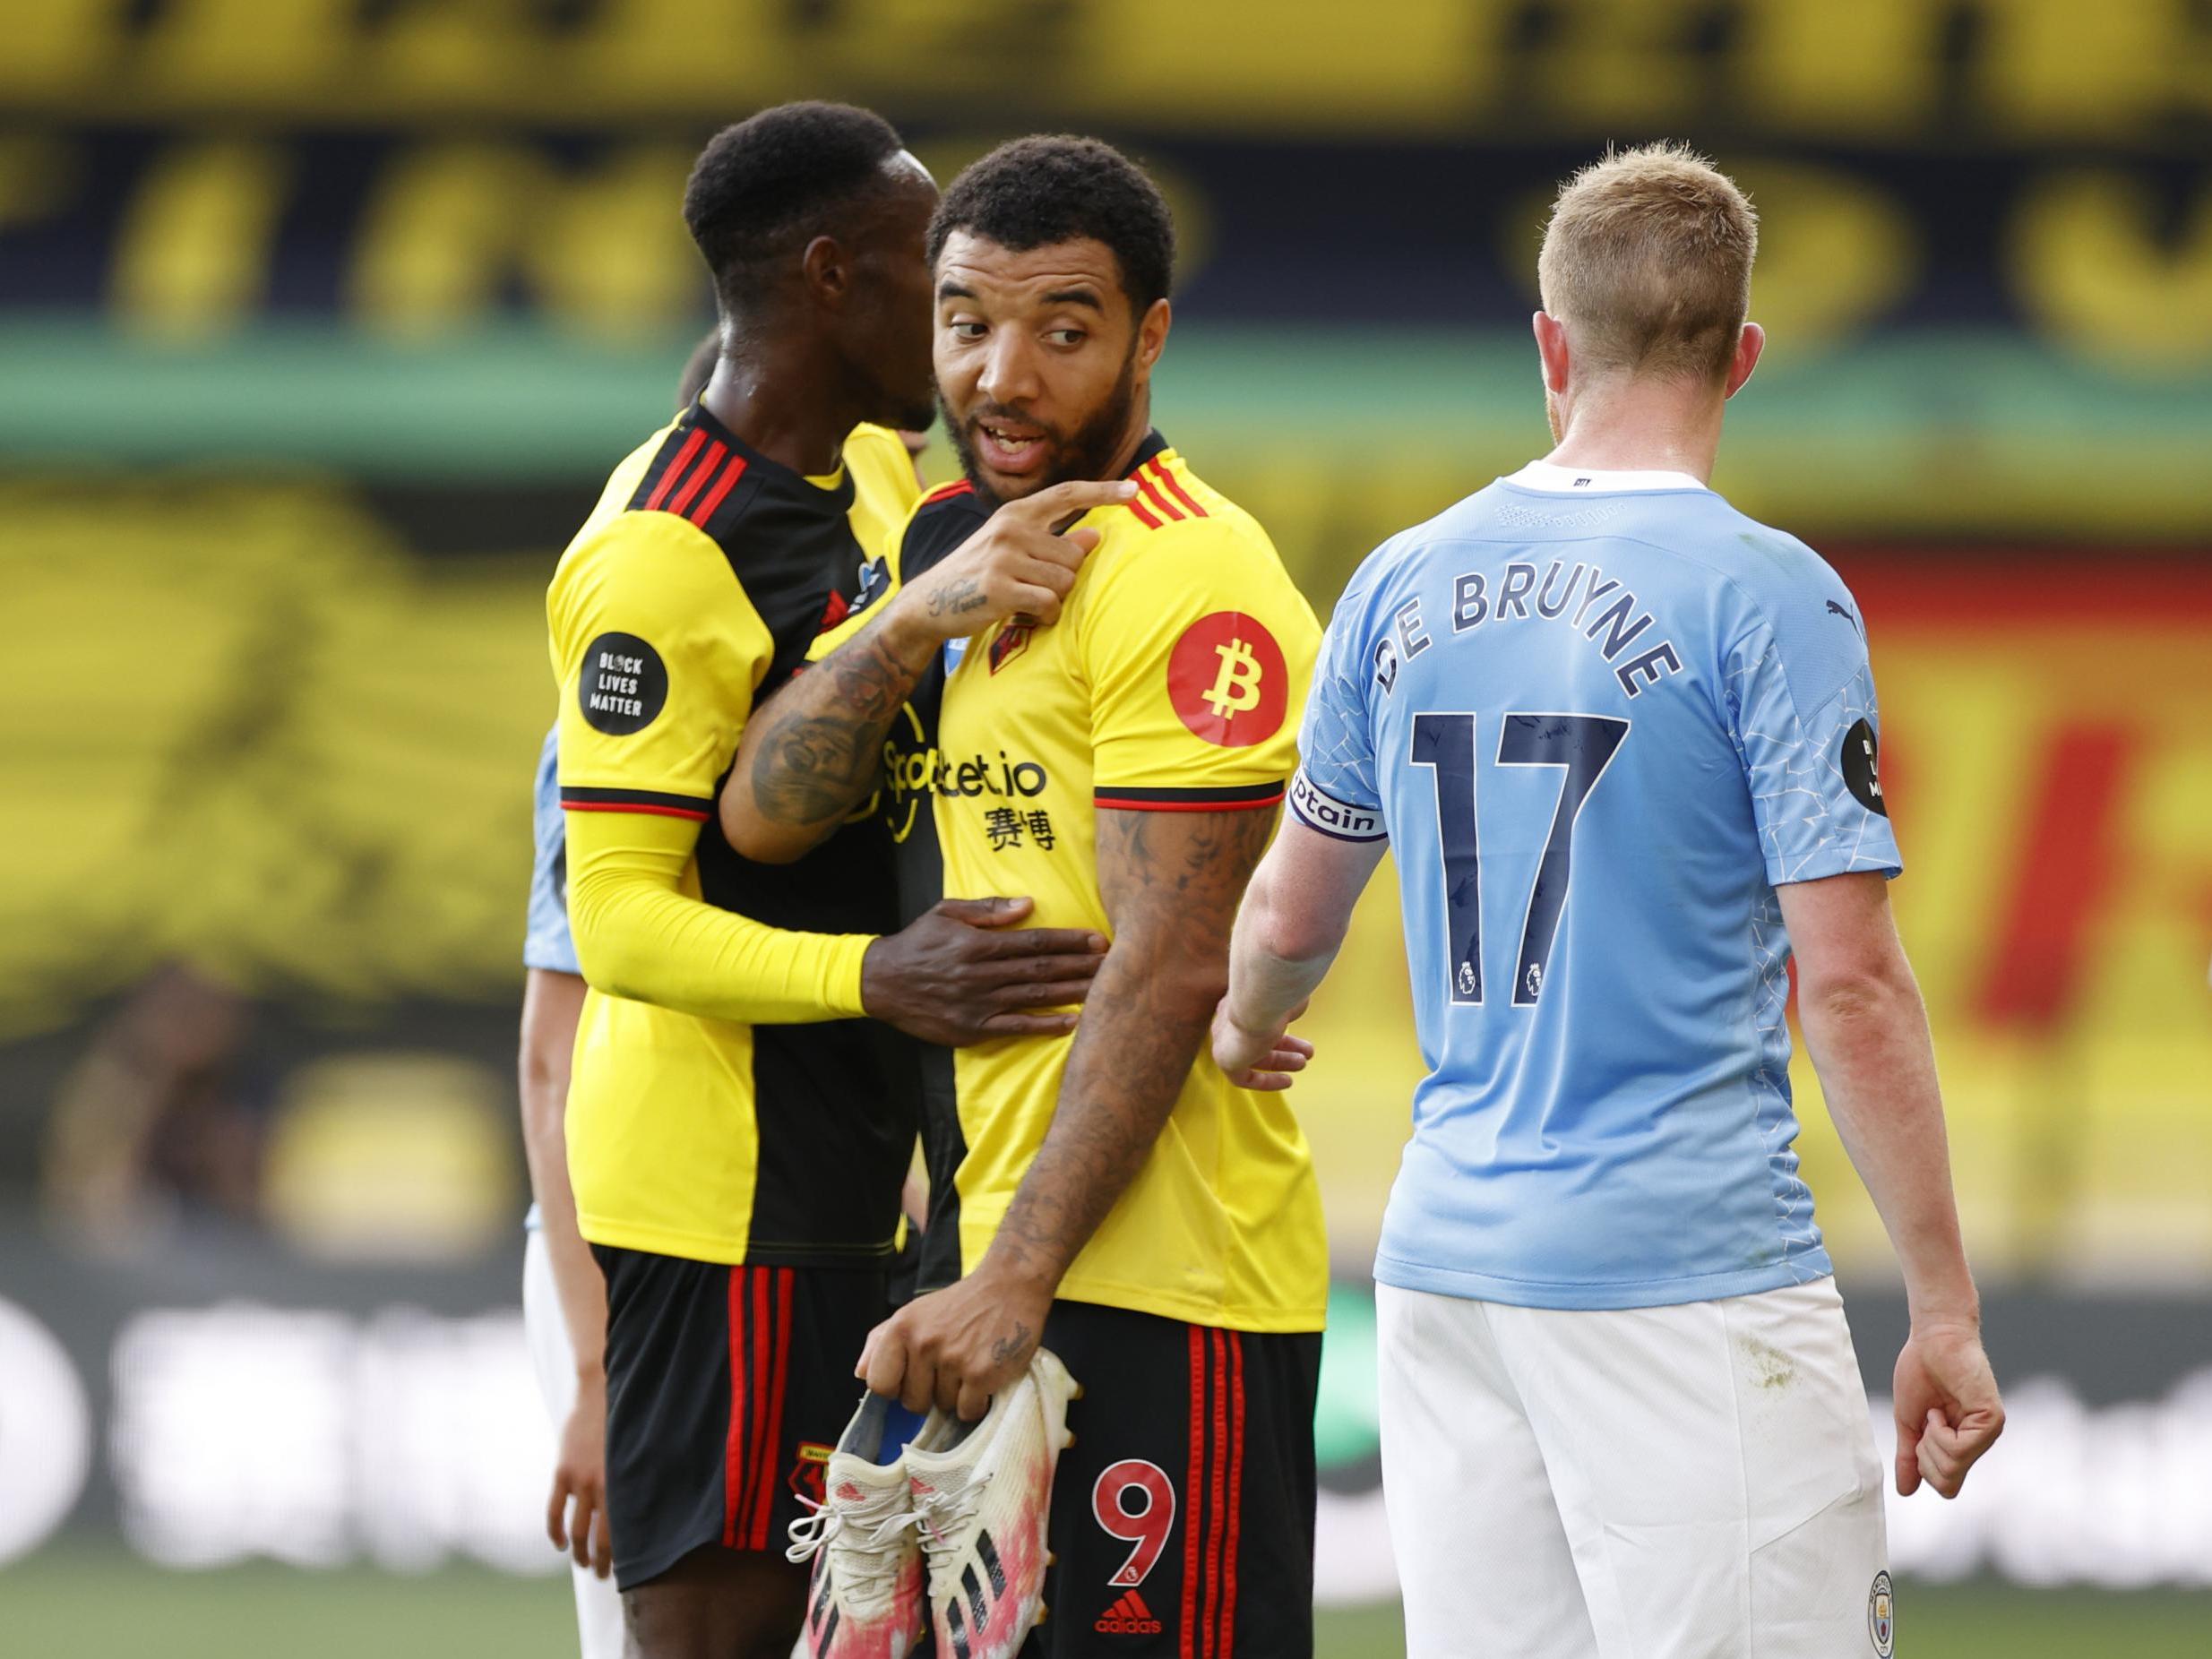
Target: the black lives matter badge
(1862, 770)
(624, 685)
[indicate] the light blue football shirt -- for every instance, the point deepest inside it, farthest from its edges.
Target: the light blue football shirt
(546, 941)
(1600, 718)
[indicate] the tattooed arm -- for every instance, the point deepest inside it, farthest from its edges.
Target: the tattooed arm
(811, 754)
(1171, 882)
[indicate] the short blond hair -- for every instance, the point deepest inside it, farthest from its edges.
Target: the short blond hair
(1648, 261)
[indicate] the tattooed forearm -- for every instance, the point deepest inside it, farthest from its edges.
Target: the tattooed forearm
(818, 756)
(958, 597)
(1171, 882)
(811, 755)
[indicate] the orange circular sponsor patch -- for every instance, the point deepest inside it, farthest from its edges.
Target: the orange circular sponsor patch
(1227, 680)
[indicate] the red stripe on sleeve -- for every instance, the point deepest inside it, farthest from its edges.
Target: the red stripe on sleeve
(1168, 510)
(1217, 1471)
(632, 806)
(1237, 1488)
(676, 469)
(700, 475)
(1126, 805)
(1158, 469)
(1190, 1494)
(715, 496)
(733, 1458)
(765, 1501)
(1144, 514)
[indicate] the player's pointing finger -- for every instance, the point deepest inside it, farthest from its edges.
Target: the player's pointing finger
(1075, 497)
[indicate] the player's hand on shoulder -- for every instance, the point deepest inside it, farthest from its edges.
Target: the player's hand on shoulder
(1262, 1059)
(1946, 1407)
(1019, 563)
(964, 972)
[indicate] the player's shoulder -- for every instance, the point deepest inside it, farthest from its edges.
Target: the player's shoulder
(1788, 604)
(672, 493)
(1400, 561)
(1152, 562)
(1772, 566)
(651, 555)
(1177, 516)
(700, 475)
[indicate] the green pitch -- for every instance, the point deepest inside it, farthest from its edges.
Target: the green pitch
(87, 1604)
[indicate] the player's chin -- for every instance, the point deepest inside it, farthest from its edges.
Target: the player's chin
(909, 413)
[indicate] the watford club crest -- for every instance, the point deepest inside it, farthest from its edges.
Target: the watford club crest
(1227, 680)
(1013, 639)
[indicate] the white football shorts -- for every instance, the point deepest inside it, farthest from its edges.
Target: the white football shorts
(598, 1605)
(1696, 1481)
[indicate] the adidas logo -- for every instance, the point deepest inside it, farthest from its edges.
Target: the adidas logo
(1128, 1616)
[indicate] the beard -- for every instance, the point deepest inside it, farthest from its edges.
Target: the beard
(917, 411)
(1086, 453)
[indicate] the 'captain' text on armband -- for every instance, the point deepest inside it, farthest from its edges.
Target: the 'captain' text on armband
(1318, 810)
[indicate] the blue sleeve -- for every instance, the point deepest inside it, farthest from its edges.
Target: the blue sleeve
(1802, 698)
(547, 943)
(1336, 790)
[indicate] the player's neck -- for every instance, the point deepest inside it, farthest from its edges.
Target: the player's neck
(1641, 428)
(775, 404)
(1133, 439)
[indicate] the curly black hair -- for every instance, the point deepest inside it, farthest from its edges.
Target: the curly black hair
(1034, 192)
(777, 180)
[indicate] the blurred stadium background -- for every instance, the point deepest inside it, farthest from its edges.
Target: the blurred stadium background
(321, 322)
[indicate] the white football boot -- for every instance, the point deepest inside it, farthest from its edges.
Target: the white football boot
(864, 1599)
(984, 1498)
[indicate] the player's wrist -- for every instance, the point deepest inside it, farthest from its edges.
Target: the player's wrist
(1242, 1023)
(1952, 1304)
(1945, 1316)
(912, 630)
(1017, 1272)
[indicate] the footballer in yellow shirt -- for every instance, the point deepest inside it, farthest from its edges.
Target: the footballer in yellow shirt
(1102, 718)
(738, 1133)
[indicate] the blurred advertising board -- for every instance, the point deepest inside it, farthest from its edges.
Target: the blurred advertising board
(223, 1403)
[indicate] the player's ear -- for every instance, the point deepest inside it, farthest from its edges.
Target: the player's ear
(1749, 344)
(1152, 333)
(827, 271)
(1551, 350)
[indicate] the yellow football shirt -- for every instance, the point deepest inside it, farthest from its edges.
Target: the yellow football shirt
(694, 588)
(1171, 682)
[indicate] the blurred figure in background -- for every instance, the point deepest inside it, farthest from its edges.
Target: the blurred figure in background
(161, 1116)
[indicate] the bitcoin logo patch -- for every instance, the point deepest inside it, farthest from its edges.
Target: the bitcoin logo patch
(1236, 687)
(1227, 680)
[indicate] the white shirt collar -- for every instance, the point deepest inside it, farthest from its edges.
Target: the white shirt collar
(1542, 475)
